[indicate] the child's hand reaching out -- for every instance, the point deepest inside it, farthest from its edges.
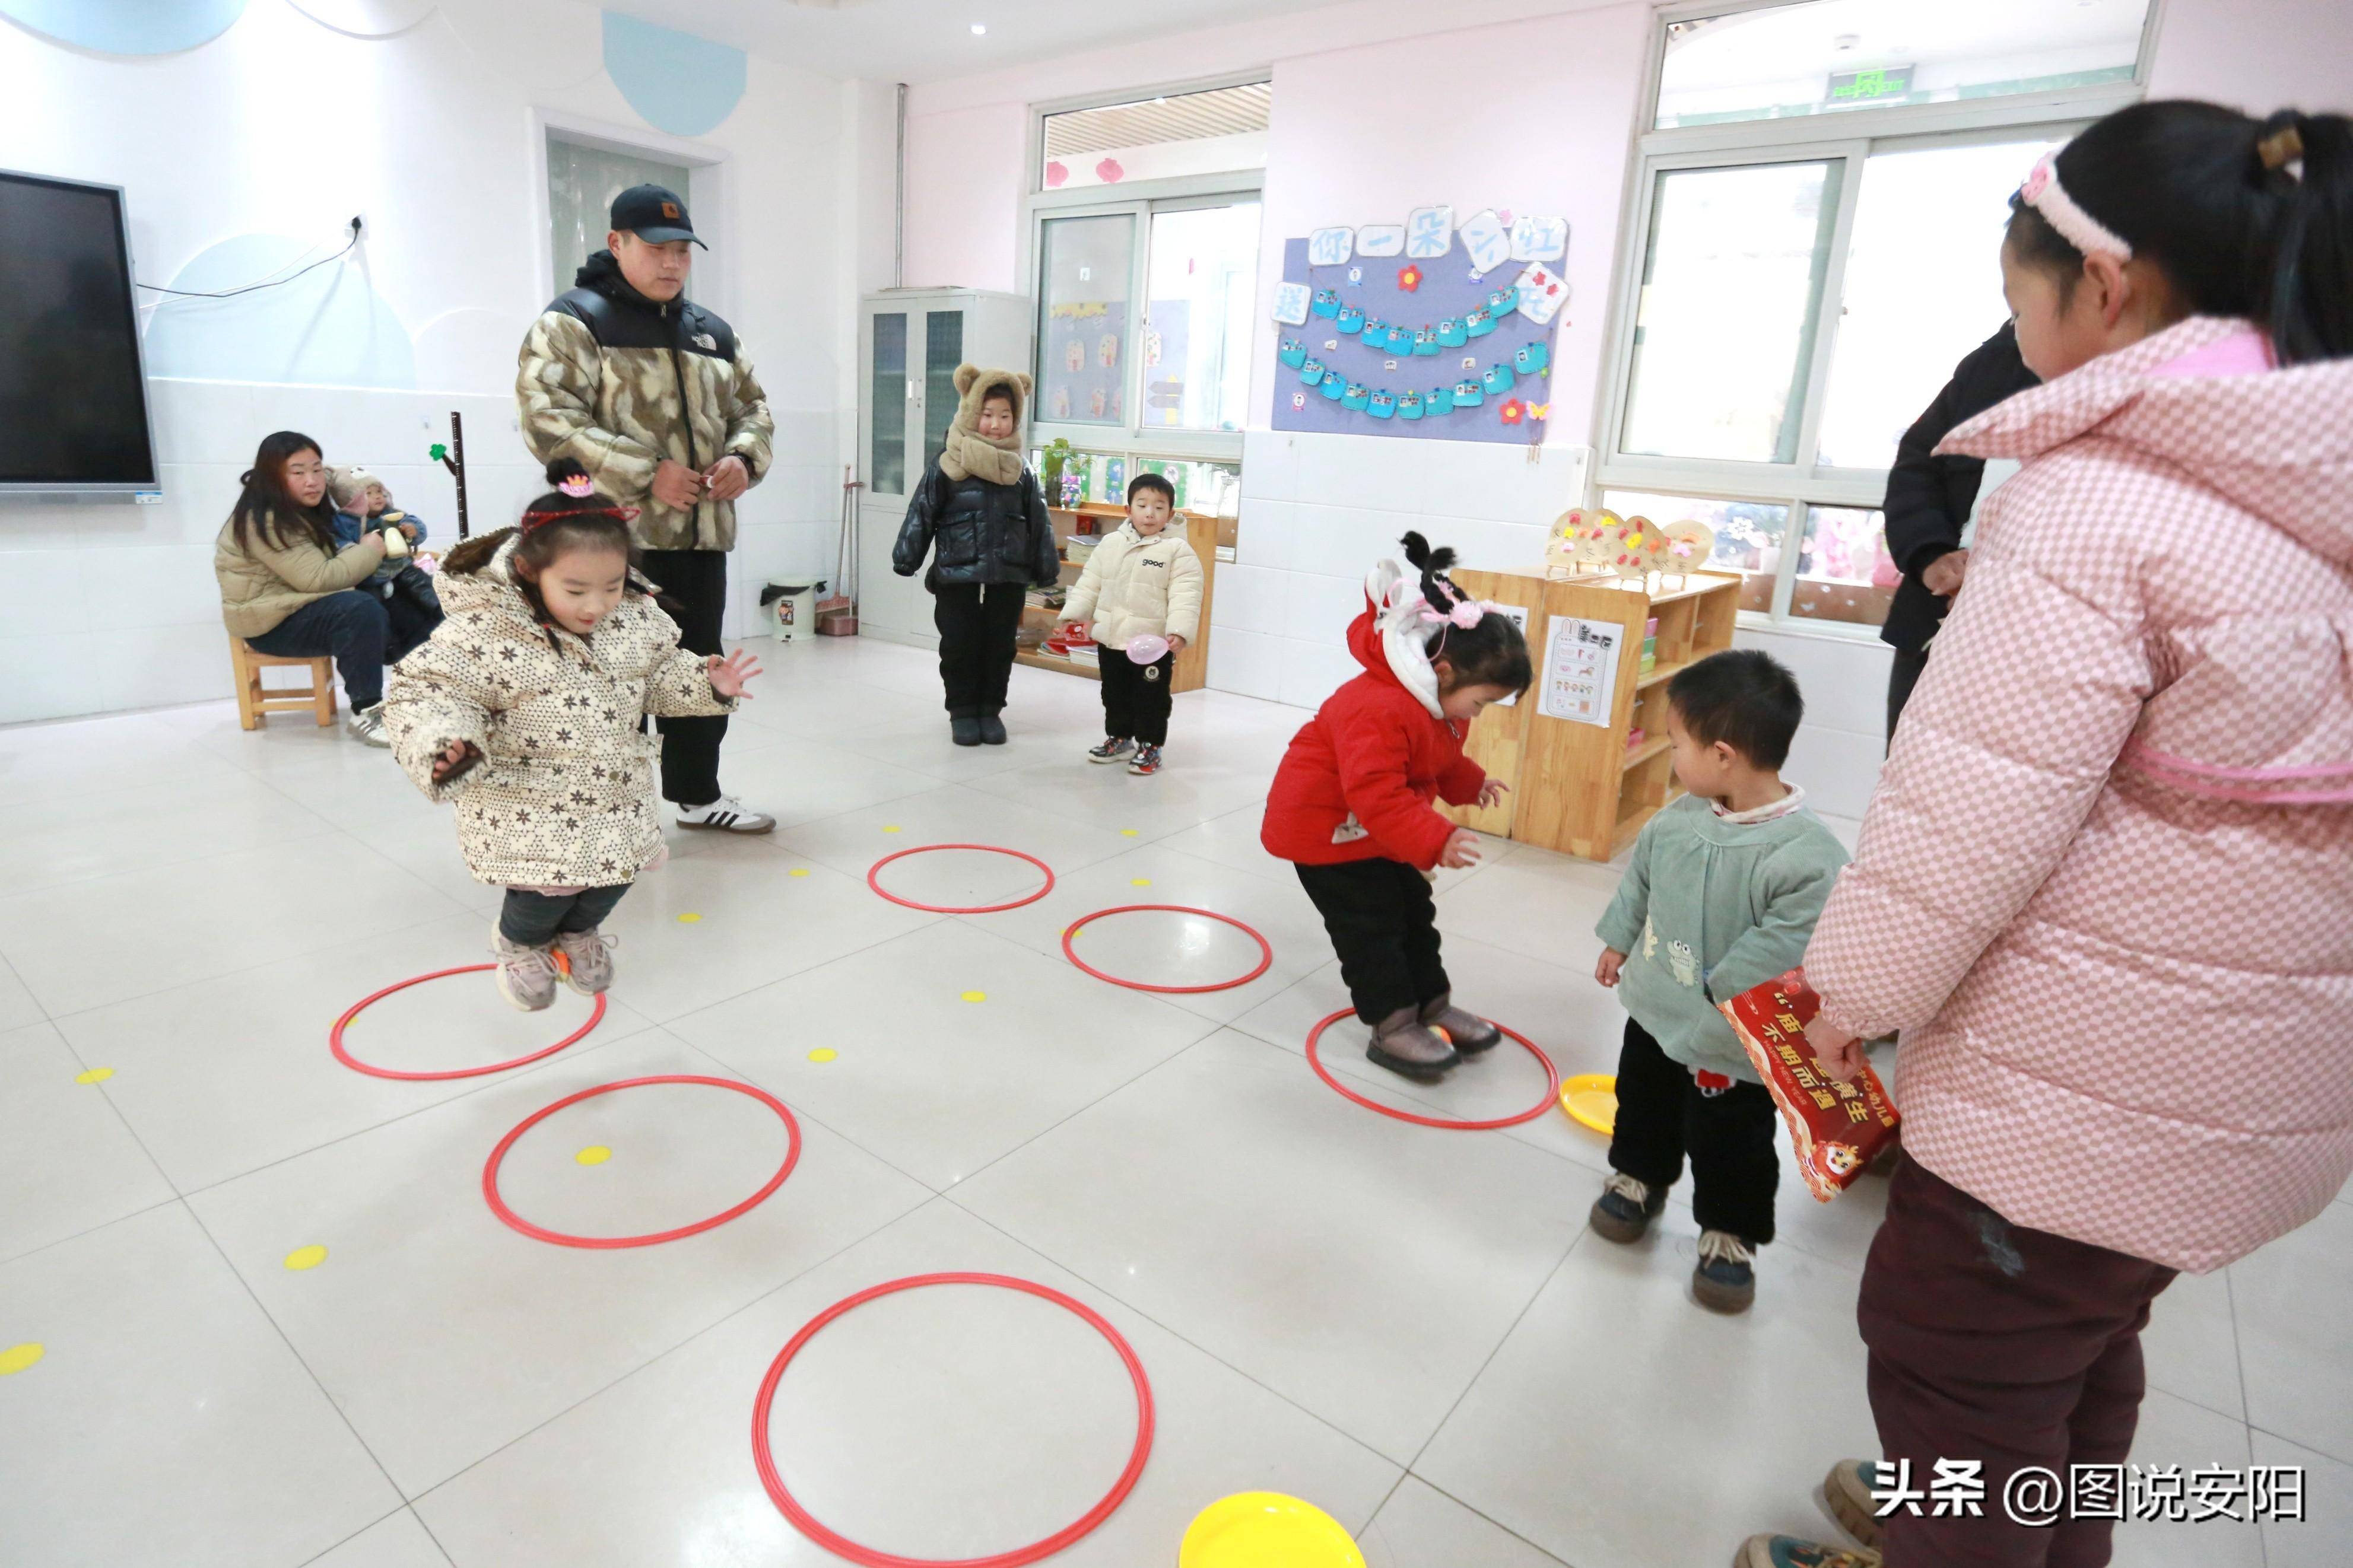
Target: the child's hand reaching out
(1462, 850)
(1493, 791)
(1606, 971)
(455, 759)
(728, 674)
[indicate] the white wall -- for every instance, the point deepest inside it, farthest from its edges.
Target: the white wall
(282, 126)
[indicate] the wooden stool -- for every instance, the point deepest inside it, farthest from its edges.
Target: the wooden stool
(254, 701)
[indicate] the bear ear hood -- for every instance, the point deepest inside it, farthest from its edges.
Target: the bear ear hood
(968, 453)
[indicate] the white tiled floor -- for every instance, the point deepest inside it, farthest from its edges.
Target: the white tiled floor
(1410, 1327)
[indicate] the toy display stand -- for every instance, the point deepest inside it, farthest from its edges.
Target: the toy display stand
(1580, 788)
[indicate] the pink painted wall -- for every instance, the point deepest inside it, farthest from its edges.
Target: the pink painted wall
(1534, 116)
(1515, 103)
(2274, 54)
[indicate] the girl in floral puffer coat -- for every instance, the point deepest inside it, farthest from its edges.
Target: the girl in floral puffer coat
(523, 708)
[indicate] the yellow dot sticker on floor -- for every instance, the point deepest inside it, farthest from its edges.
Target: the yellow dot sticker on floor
(823, 1053)
(16, 1358)
(1139, 881)
(95, 1075)
(595, 1154)
(975, 996)
(688, 919)
(1127, 833)
(889, 827)
(801, 871)
(308, 1256)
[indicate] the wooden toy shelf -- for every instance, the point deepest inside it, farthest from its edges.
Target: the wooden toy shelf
(1201, 532)
(1579, 787)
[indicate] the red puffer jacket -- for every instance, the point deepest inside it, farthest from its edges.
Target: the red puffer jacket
(1359, 777)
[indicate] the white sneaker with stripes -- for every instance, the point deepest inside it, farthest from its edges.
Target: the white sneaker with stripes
(726, 814)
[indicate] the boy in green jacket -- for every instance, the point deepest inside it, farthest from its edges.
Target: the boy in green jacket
(1723, 894)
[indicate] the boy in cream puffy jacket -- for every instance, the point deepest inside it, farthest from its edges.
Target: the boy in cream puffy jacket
(1144, 582)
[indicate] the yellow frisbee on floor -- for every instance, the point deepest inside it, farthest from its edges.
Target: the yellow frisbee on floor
(1266, 1529)
(1591, 1098)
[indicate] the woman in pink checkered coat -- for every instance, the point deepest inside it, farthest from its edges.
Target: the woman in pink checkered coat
(2105, 887)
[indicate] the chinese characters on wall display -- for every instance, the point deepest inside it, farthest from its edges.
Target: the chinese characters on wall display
(1431, 328)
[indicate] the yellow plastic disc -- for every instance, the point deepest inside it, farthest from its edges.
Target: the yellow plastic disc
(975, 996)
(823, 1053)
(95, 1075)
(1266, 1529)
(688, 920)
(595, 1154)
(308, 1256)
(16, 1358)
(1592, 1098)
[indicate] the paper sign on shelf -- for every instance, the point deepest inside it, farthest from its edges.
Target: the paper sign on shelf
(1430, 232)
(1291, 303)
(1381, 240)
(1539, 238)
(1542, 293)
(1580, 678)
(1485, 240)
(1331, 246)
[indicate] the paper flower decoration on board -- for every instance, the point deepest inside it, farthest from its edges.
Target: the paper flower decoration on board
(1641, 545)
(1513, 411)
(1409, 278)
(1689, 545)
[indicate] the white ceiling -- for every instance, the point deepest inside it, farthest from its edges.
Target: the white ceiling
(930, 40)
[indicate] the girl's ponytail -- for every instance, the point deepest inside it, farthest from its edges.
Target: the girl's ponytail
(2311, 283)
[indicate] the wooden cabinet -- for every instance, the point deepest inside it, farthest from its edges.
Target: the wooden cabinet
(1201, 532)
(1579, 787)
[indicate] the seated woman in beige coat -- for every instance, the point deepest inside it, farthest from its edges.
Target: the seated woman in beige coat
(289, 587)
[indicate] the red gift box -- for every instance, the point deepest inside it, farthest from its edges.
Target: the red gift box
(1837, 1128)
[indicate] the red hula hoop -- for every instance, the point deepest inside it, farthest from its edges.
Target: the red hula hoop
(335, 1035)
(1265, 948)
(1552, 1085)
(560, 1238)
(841, 1546)
(874, 871)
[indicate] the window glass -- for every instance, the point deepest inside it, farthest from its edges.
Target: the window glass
(1748, 534)
(887, 465)
(1923, 288)
(943, 351)
(1827, 56)
(1202, 283)
(582, 182)
(1724, 334)
(1082, 347)
(1211, 133)
(1838, 560)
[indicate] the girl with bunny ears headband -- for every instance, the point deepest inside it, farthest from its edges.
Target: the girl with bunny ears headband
(1454, 653)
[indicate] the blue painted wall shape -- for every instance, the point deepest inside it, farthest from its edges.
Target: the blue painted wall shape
(126, 26)
(326, 328)
(682, 84)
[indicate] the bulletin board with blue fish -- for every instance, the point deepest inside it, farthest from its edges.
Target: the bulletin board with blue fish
(1425, 329)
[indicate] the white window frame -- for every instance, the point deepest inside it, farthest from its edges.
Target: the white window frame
(1850, 136)
(1140, 199)
(710, 195)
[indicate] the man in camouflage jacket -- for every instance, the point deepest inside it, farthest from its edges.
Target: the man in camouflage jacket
(654, 396)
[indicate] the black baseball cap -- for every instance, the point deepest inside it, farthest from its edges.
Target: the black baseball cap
(654, 214)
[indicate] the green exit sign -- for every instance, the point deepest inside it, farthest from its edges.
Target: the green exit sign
(1875, 86)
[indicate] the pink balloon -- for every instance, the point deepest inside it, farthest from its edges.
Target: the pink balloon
(1147, 649)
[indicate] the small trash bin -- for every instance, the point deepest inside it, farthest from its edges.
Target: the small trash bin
(792, 607)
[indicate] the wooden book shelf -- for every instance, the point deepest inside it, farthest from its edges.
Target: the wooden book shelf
(1579, 787)
(1201, 532)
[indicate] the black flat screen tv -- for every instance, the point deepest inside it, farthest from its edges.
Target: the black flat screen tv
(73, 393)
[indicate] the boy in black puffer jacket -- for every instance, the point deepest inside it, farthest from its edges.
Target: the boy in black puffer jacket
(988, 517)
